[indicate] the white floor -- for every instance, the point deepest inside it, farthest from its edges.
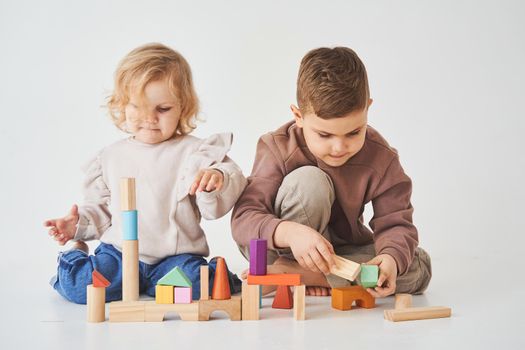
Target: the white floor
(486, 300)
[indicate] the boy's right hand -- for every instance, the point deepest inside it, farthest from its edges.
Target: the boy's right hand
(311, 250)
(64, 229)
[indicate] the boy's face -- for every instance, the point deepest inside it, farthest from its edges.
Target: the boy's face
(153, 118)
(336, 140)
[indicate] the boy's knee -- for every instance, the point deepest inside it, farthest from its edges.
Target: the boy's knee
(308, 185)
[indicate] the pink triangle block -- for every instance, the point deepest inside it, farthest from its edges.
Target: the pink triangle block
(182, 295)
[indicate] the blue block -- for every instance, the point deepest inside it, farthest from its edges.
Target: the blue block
(130, 225)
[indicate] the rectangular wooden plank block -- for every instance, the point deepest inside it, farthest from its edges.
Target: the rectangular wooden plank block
(205, 282)
(123, 311)
(299, 302)
(250, 301)
(345, 268)
(130, 270)
(418, 313)
(282, 279)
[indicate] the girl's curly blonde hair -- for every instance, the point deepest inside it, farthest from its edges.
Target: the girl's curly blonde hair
(152, 62)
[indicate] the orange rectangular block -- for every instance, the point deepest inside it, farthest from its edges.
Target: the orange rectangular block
(281, 279)
(343, 298)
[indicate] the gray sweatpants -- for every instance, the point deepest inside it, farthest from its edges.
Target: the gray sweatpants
(306, 196)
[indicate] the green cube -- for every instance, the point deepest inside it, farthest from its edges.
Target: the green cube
(369, 275)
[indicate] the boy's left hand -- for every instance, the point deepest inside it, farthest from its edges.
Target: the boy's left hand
(386, 283)
(207, 180)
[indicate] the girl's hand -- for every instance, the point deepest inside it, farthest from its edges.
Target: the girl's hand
(386, 283)
(63, 229)
(207, 180)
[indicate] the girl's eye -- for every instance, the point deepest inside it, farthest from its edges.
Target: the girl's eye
(163, 109)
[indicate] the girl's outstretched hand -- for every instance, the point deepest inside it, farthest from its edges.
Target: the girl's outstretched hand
(64, 229)
(207, 180)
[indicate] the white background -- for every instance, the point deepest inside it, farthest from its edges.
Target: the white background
(446, 78)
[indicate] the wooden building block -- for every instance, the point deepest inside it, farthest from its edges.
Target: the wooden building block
(156, 312)
(96, 304)
(221, 284)
(164, 294)
(258, 251)
(130, 230)
(130, 270)
(250, 301)
(231, 306)
(130, 311)
(175, 277)
(417, 313)
(205, 280)
(283, 298)
(283, 279)
(99, 281)
(127, 194)
(183, 295)
(369, 275)
(343, 298)
(299, 302)
(345, 268)
(403, 301)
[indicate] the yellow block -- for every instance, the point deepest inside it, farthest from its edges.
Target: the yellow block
(164, 294)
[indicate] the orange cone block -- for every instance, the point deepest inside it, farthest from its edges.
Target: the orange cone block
(283, 298)
(221, 285)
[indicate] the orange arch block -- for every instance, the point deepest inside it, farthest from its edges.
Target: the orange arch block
(343, 298)
(221, 285)
(283, 298)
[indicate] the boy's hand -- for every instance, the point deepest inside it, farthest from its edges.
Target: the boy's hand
(63, 229)
(311, 250)
(207, 180)
(386, 283)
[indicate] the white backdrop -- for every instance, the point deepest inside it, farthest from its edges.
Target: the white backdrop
(446, 78)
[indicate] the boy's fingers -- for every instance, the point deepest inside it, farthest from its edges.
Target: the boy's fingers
(375, 261)
(310, 264)
(319, 262)
(327, 255)
(373, 293)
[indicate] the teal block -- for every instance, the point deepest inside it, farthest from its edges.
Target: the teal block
(369, 275)
(260, 297)
(130, 225)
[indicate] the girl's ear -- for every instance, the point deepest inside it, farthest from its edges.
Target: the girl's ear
(297, 115)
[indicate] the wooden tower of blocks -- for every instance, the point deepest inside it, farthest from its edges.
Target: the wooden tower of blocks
(130, 244)
(258, 277)
(96, 298)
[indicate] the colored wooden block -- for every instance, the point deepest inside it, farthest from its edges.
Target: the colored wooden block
(164, 294)
(176, 277)
(369, 275)
(127, 311)
(130, 270)
(403, 301)
(283, 279)
(156, 312)
(96, 304)
(418, 313)
(283, 298)
(343, 298)
(250, 301)
(258, 251)
(129, 225)
(99, 281)
(205, 280)
(231, 306)
(127, 194)
(221, 283)
(299, 302)
(182, 295)
(345, 268)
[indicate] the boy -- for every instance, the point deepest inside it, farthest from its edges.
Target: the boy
(312, 178)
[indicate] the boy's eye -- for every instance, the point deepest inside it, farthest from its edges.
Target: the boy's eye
(324, 136)
(354, 133)
(163, 109)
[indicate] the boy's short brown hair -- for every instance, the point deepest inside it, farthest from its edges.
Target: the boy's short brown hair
(148, 63)
(332, 83)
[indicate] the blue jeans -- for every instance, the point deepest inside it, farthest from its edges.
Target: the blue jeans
(75, 268)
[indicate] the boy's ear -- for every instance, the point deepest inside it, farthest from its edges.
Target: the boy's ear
(297, 115)
(370, 101)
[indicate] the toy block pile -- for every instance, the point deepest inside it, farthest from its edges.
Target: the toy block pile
(173, 288)
(258, 277)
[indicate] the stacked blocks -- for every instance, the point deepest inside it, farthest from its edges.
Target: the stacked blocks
(130, 244)
(173, 288)
(258, 277)
(369, 276)
(96, 298)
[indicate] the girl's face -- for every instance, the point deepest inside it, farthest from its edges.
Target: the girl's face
(154, 118)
